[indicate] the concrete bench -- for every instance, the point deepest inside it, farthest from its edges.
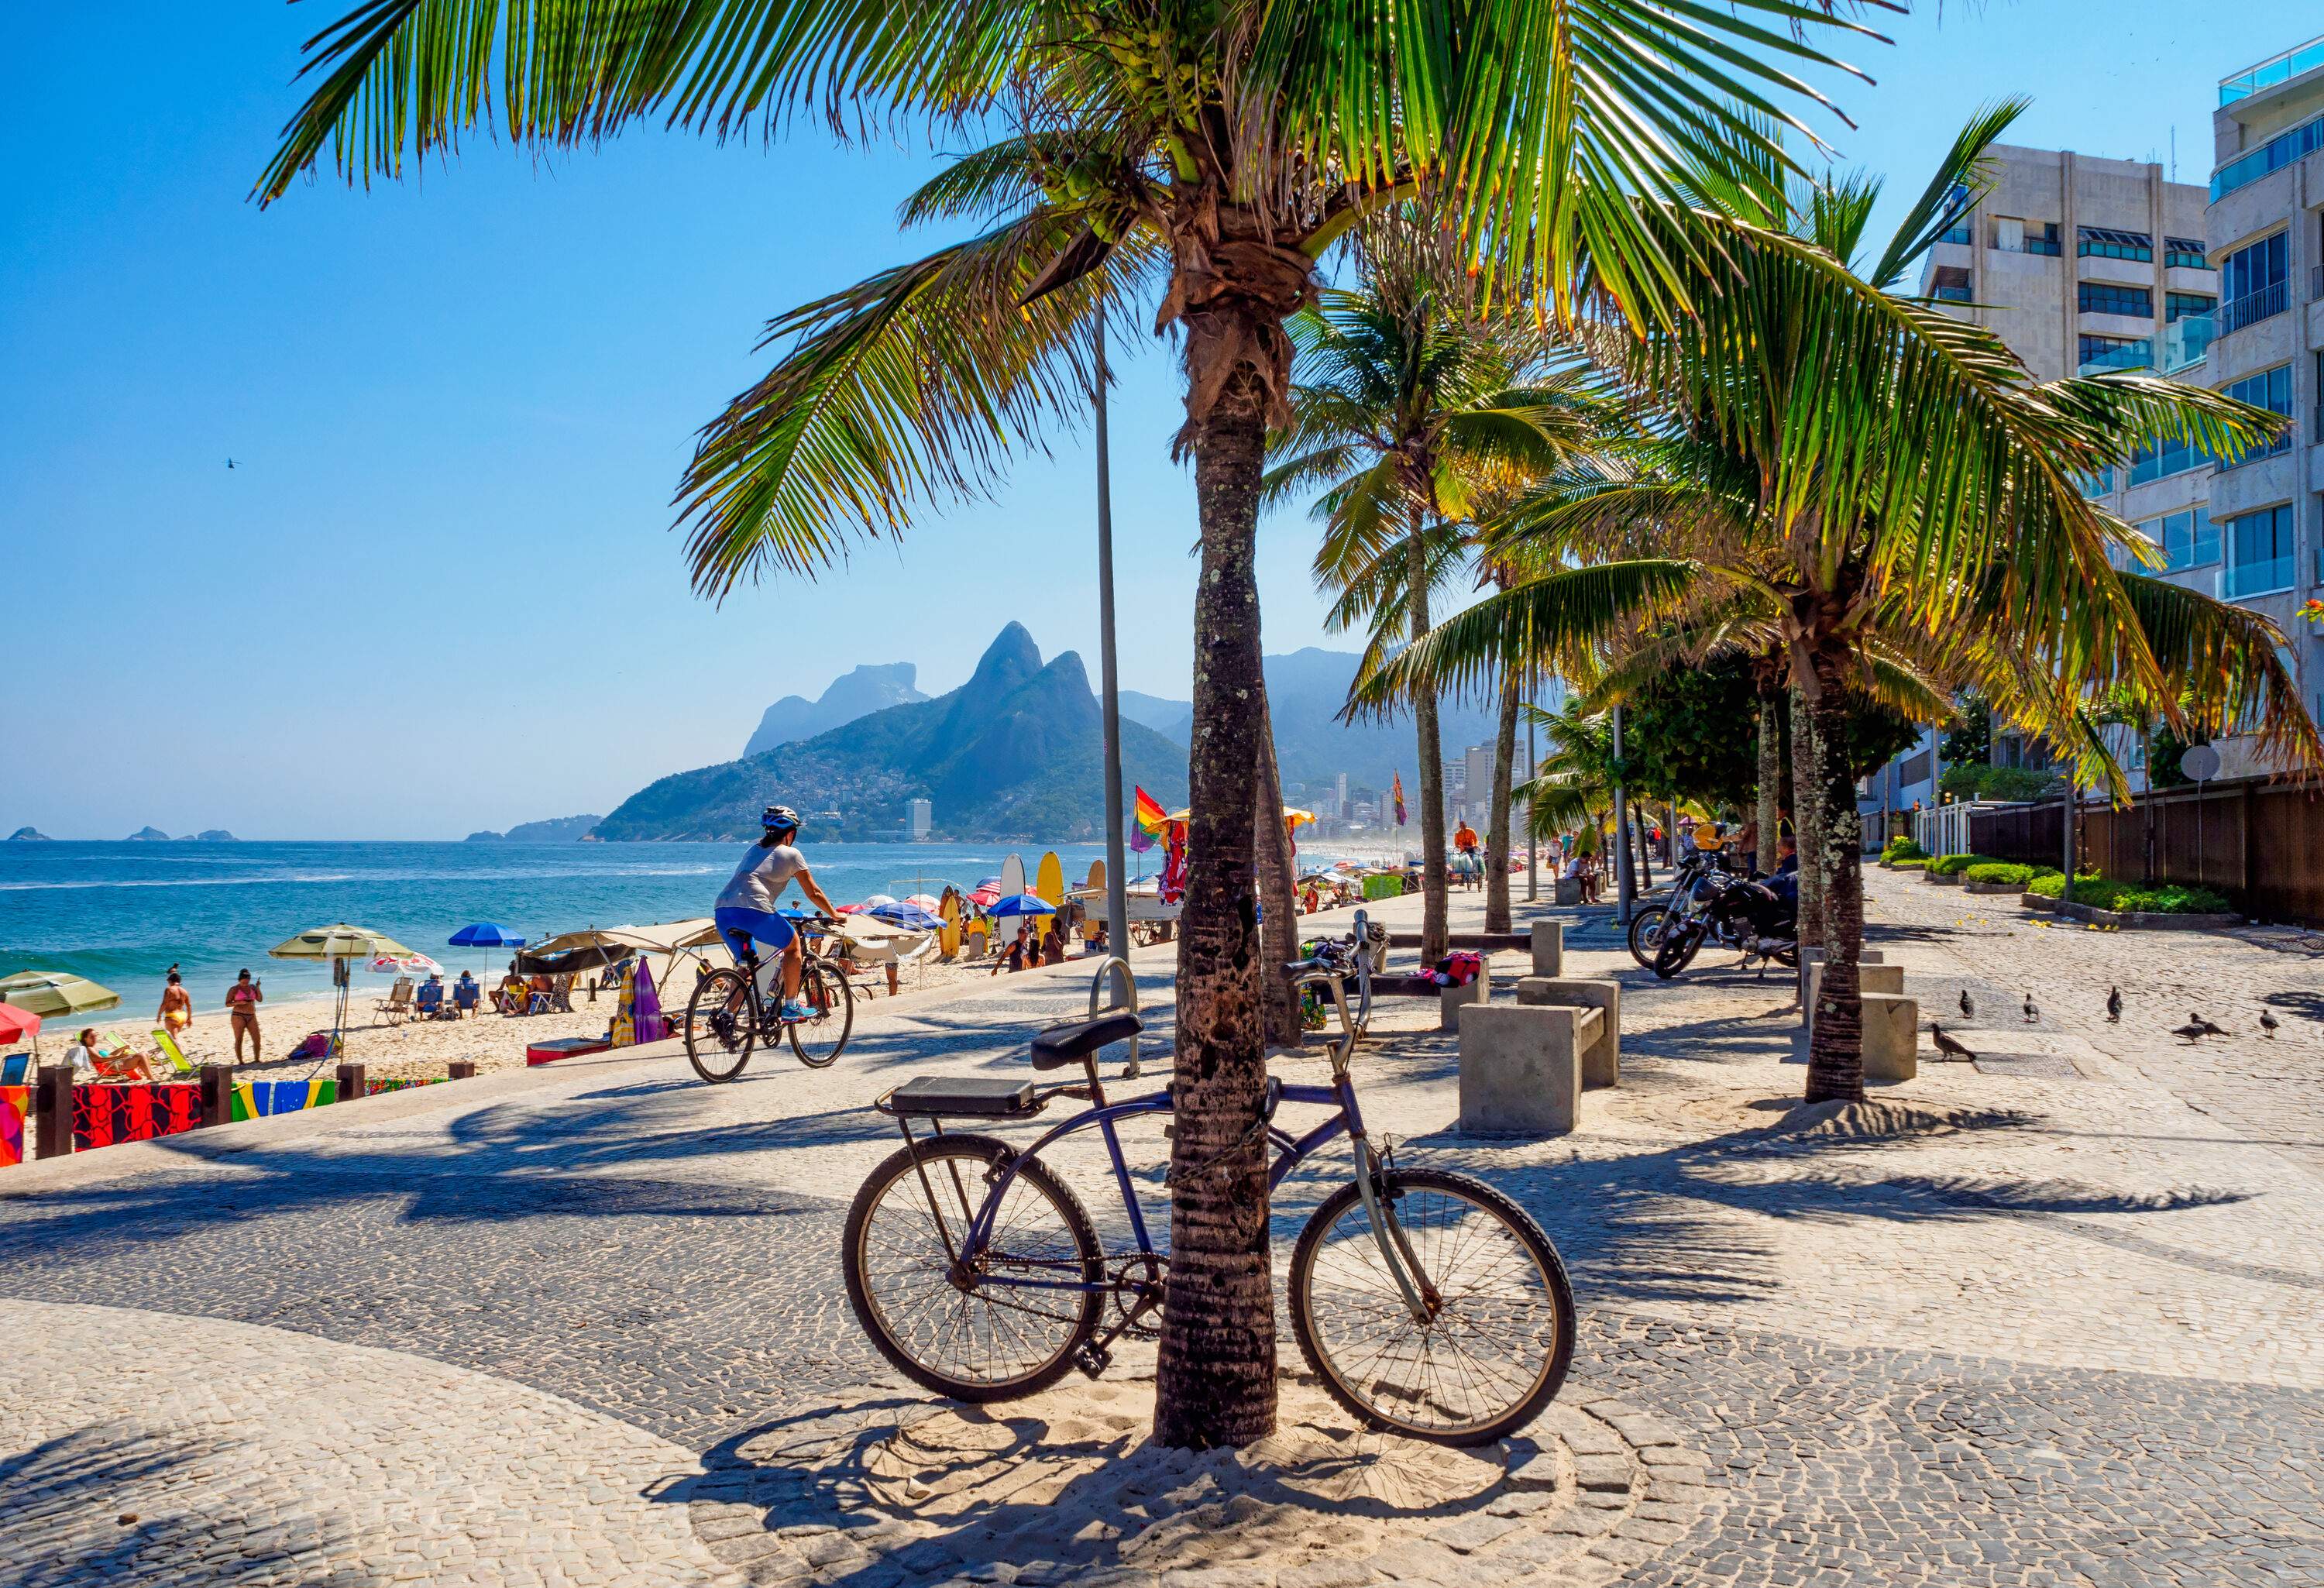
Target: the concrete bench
(1601, 1055)
(1520, 1073)
(1451, 1001)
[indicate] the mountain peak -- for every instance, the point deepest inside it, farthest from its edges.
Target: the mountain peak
(873, 686)
(1011, 660)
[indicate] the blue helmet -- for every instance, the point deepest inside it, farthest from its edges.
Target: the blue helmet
(780, 818)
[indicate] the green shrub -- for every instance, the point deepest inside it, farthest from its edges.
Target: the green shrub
(2050, 885)
(1901, 847)
(1913, 864)
(1977, 780)
(1999, 871)
(2133, 899)
(1953, 865)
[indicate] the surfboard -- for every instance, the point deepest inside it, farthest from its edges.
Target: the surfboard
(1012, 876)
(948, 939)
(1097, 875)
(1049, 879)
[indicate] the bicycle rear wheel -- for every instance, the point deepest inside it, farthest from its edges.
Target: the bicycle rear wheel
(955, 1328)
(831, 1015)
(1500, 1332)
(722, 1025)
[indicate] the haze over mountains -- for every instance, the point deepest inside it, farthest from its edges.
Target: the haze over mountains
(1016, 751)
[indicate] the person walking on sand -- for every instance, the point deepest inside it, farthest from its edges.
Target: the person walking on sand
(177, 1011)
(242, 1002)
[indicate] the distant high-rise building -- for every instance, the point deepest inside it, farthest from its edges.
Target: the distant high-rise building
(919, 817)
(1340, 796)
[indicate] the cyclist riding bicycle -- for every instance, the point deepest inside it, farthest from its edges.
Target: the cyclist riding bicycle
(745, 911)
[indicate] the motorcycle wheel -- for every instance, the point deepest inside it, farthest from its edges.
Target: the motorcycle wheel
(1646, 933)
(1678, 950)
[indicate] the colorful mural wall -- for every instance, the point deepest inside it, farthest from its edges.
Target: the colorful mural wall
(257, 1100)
(108, 1115)
(15, 1110)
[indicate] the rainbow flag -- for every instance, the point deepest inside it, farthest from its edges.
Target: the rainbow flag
(1397, 791)
(1151, 817)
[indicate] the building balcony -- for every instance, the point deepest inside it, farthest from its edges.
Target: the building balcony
(2267, 577)
(2138, 355)
(2254, 307)
(2187, 340)
(2274, 69)
(1952, 295)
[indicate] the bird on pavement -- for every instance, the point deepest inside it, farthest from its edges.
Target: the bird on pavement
(1946, 1045)
(2114, 1005)
(1969, 1010)
(2208, 1029)
(2268, 1023)
(2032, 1013)
(2193, 1030)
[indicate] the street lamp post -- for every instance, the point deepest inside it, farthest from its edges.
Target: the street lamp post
(1624, 883)
(1117, 896)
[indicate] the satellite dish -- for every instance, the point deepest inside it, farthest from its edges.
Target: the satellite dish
(2200, 763)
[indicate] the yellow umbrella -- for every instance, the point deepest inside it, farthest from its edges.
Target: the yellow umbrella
(338, 941)
(55, 992)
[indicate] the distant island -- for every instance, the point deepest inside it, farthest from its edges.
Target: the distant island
(30, 835)
(208, 836)
(563, 830)
(148, 835)
(1016, 751)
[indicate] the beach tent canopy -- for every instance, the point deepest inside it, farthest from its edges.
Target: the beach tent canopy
(56, 992)
(595, 947)
(338, 941)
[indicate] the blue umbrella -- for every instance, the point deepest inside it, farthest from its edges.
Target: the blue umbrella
(1024, 904)
(903, 913)
(485, 935)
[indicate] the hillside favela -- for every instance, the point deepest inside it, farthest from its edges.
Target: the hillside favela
(1163, 794)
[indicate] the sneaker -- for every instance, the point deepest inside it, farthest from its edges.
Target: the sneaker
(793, 1012)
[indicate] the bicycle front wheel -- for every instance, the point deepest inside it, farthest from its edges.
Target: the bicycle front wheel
(831, 1015)
(720, 1025)
(1002, 1323)
(1499, 1330)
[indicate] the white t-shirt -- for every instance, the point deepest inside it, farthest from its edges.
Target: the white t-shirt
(762, 875)
(80, 1060)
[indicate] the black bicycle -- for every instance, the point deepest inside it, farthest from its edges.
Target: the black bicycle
(1427, 1302)
(728, 1017)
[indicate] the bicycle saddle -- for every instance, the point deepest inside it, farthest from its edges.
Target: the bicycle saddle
(1072, 1041)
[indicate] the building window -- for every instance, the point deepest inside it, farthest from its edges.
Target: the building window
(2272, 390)
(2160, 460)
(2259, 552)
(2100, 481)
(2105, 353)
(2185, 253)
(2253, 282)
(2189, 540)
(1949, 283)
(2176, 306)
(2104, 243)
(2012, 235)
(2112, 298)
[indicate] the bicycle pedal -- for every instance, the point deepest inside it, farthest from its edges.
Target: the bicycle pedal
(1092, 1358)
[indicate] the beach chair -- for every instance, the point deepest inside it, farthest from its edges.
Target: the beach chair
(398, 1002)
(15, 1069)
(173, 1056)
(429, 1001)
(465, 997)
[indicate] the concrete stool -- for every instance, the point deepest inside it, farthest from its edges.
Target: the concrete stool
(1566, 891)
(1601, 1057)
(1870, 978)
(1892, 1037)
(1549, 948)
(1518, 1073)
(1451, 1001)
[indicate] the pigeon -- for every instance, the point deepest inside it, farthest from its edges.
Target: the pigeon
(229, 463)
(2032, 1013)
(2268, 1023)
(1969, 1010)
(2208, 1029)
(2114, 1006)
(1946, 1045)
(2192, 1030)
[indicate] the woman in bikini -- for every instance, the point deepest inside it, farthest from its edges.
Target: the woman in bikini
(242, 1002)
(177, 1011)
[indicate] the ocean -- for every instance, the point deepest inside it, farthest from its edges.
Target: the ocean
(121, 914)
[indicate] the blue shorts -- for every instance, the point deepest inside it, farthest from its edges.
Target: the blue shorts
(741, 927)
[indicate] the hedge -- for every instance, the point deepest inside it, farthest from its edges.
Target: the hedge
(1999, 871)
(1901, 847)
(2131, 898)
(1952, 865)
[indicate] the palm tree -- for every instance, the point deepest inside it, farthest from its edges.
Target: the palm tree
(1410, 407)
(1187, 158)
(1860, 469)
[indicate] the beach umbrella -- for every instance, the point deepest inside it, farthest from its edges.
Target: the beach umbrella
(1023, 904)
(16, 1024)
(402, 964)
(56, 992)
(875, 901)
(338, 941)
(485, 935)
(904, 913)
(926, 901)
(987, 894)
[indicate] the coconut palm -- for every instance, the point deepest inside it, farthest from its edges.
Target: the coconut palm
(1189, 159)
(1859, 470)
(1410, 410)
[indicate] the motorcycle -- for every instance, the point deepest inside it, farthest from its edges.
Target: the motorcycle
(1761, 918)
(1699, 878)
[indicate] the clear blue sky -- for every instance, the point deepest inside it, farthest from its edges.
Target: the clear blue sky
(439, 591)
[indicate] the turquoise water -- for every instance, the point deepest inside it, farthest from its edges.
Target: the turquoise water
(121, 914)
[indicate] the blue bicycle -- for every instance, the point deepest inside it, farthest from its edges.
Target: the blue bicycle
(1426, 1302)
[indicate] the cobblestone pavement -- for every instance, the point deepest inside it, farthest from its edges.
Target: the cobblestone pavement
(2065, 1325)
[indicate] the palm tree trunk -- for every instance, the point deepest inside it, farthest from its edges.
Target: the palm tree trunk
(1279, 927)
(1771, 778)
(1805, 773)
(1835, 836)
(1216, 1379)
(1497, 819)
(1433, 929)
